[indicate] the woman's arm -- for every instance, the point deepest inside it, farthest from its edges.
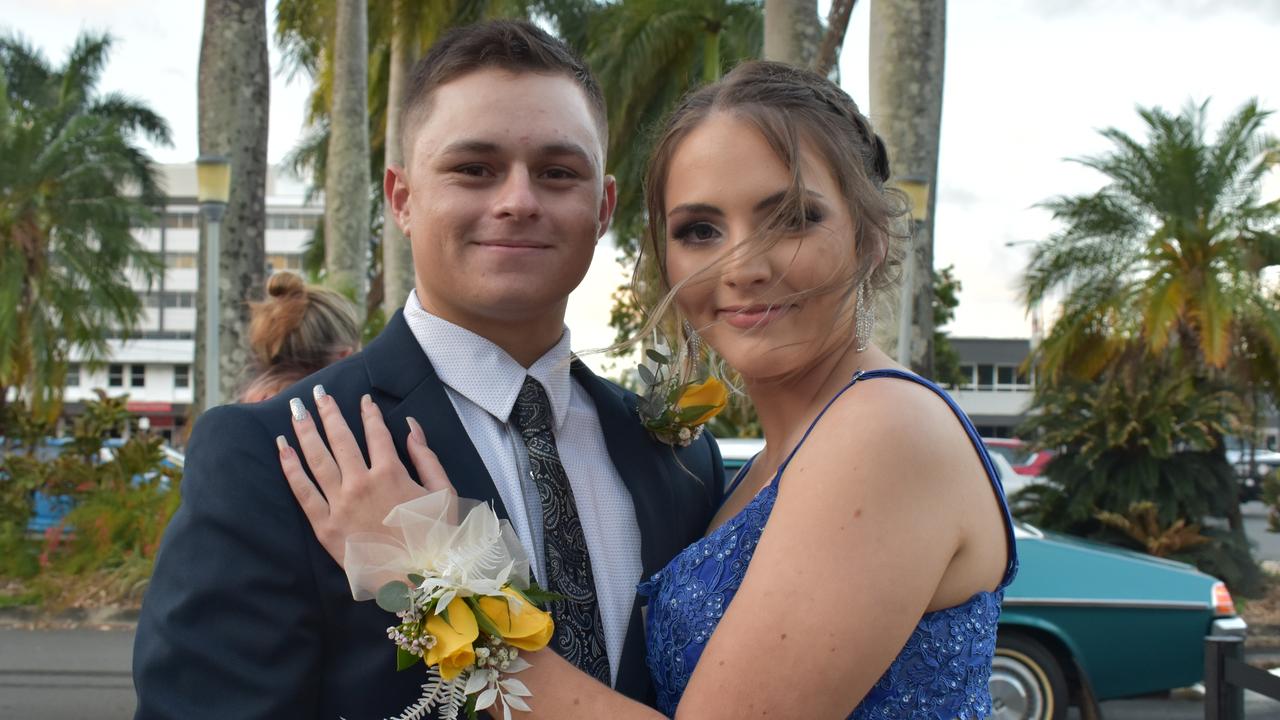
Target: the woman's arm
(865, 525)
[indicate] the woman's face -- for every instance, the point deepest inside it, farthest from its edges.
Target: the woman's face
(724, 181)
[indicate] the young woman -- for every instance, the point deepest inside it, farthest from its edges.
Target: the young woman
(857, 565)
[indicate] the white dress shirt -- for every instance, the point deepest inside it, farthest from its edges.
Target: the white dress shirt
(482, 381)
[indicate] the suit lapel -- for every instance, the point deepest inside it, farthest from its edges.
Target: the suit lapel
(410, 387)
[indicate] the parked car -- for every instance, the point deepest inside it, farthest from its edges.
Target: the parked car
(50, 509)
(1085, 622)
(1264, 462)
(1024, 460)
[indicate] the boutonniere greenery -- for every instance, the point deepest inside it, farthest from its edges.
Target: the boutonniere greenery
(673, 406)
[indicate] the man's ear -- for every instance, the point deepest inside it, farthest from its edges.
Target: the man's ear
(395, 185)
(608, 203)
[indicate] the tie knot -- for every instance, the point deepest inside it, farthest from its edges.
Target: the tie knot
(532, 413)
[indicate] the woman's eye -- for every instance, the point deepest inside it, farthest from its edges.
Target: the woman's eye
(698, 232)
(807, 217)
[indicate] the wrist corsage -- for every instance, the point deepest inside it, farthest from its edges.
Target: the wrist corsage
(674, 409)
(465, 604)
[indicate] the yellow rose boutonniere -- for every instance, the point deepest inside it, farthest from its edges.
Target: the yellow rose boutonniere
(675, 410)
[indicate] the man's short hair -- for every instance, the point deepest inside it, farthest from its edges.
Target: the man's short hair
(516, 46)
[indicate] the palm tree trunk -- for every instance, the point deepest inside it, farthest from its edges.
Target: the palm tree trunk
(346, 187)
(792, 31)
(397, 255)
(711, 57)
(907, 47)
(234, 95)
(833, 39)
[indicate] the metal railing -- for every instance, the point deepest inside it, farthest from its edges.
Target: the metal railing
(1227, 676)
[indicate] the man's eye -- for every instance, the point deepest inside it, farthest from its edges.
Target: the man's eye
(560, 174)
(473, 170)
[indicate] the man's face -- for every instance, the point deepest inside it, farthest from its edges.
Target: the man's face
(503, 196)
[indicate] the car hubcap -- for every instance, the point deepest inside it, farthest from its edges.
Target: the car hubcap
(1016, 692)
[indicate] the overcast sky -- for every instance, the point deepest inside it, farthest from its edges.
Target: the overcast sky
(1028, 83)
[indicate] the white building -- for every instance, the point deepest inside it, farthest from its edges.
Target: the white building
(154, 367)
(997, 395)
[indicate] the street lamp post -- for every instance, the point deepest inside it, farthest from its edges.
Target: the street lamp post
(917, 191)
(1037, 318)
(213, 187)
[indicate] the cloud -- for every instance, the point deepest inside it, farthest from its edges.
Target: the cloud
(1194, 9)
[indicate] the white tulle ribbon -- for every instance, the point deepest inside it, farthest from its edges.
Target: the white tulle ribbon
(478, 555)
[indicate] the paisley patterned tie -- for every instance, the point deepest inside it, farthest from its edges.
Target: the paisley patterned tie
(578, 635)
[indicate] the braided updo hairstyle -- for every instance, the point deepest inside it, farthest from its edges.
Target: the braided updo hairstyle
(296, 331)
(792, 107)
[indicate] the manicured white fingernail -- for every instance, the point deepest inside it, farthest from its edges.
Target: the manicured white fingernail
(298, 409)
(415, 431)
(366, 402)
(281, 443)
(318, 393)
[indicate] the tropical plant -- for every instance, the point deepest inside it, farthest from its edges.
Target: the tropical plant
(1143, 430)
(946, 297)
(72, 185)
(1170, 252)
(1142, 524)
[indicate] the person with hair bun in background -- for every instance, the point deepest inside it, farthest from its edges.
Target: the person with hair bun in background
(296, 331)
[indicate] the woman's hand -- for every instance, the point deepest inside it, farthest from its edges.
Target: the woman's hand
(356, 497)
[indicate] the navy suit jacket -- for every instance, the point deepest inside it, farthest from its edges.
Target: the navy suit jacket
(248, 617)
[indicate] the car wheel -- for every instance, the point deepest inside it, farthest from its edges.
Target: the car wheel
(1027, 682)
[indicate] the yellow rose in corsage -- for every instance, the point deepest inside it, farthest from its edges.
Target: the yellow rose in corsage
(455, 631)
(674, 410)
(521, 623)
(463, 601)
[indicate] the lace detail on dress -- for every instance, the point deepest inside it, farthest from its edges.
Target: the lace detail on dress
(689, 596)
(942, 671)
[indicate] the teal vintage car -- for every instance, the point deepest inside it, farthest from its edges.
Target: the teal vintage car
(1085, 622)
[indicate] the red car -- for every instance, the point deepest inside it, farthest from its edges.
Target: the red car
(1023, 460)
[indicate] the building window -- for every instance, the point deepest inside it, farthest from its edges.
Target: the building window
(181, 376)
(966, 377)
(986, 377)
(137, 375)
(282, 261)
(115, 376)
(180, 260)
(181, 220)
(73, 375)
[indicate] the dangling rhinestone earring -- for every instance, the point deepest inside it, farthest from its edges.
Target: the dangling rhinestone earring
(693, 344)
(865, 317)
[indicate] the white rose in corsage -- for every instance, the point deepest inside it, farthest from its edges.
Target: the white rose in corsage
(464, 600)
(674, 409)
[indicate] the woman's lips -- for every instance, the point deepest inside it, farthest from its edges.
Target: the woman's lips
(753, 316)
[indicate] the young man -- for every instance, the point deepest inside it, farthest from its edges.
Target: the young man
(504, 197)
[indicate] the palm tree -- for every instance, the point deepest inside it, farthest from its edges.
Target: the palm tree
(647, 54)
(792, 31)
(908, 42)
(346, 183)
(234, 97)
(399, 32)
(1170, 251)
(1167, 257)
(72, 184)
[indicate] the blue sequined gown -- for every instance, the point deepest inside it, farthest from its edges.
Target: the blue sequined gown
(941, 672)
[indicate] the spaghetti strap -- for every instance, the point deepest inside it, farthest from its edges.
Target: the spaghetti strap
(737, 479)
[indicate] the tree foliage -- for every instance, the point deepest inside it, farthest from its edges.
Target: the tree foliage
(73, 184)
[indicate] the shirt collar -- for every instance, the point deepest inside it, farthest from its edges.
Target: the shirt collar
(484, 373)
